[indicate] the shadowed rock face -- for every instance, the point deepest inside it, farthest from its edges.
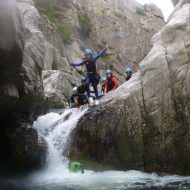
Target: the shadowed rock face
(175, 2)
(21, 91)
(144, 124)
(181, 2)
(11, 53)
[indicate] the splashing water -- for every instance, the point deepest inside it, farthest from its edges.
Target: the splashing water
(56, 129)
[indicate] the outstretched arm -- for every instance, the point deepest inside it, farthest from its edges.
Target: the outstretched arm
(100, 54)
(77, 64)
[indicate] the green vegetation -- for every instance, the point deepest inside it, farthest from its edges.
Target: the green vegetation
(101, 11)
(84, 24)
(53, 15)
(65, 30)
(43, 5)
(140, 11)
(108, 60)
(50, 8)
(120, 15)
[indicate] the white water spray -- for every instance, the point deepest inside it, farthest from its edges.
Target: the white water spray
(56, 129)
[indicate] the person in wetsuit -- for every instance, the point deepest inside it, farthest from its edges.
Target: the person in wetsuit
(104, 80)
(111, 83)
(73, 99)
(128, 73)
(92, 76)
(79, 97)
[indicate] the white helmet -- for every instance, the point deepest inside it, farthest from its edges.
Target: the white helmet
(75, 89)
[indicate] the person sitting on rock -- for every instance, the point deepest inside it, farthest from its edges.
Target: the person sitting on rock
(78, 98)
(128, 73)
(92, 76)
(104, 80)
(111, 83)
(83, 88)
(73, 99)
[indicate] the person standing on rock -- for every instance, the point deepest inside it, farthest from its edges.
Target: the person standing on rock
(128, 73)
(111, 83)
(92, 76)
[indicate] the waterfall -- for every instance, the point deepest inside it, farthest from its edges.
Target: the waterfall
(55, 128)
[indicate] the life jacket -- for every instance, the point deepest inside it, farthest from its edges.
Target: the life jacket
(91, 66)
(127, 78)
(111, 83)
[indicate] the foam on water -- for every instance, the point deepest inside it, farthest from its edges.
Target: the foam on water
(56, 129)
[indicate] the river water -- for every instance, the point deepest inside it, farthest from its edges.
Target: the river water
(56, 129)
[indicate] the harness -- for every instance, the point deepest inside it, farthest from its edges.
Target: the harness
(90, 66)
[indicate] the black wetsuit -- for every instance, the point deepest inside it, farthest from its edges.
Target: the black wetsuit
(91, 77)
(127, 78)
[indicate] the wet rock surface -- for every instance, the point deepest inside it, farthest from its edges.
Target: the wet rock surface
(21, 90)
(144, 124)
(91, 25)
(126, 26)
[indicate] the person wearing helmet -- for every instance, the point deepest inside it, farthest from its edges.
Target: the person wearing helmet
(90, 62)
(81, 91)
(104, 80)
(111, 83)
(79, 97)
(73, 99)
(128, 73)
(83, 87)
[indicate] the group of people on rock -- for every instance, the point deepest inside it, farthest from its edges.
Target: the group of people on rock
(82, 94)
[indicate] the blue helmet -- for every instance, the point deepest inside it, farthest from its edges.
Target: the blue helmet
(108, 72)
(128, 70)
(104, 79)
(88, 52)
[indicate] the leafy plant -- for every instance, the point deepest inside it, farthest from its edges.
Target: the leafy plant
(65, 31)
(120, 15)
(101, 11)
(43, 5)
(108, 60)
(53, 15)
(84, 24)
(50, 8)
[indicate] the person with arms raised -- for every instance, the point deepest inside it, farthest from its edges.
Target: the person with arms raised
(92, 76)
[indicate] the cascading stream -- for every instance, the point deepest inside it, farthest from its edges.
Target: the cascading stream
(56, 129)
